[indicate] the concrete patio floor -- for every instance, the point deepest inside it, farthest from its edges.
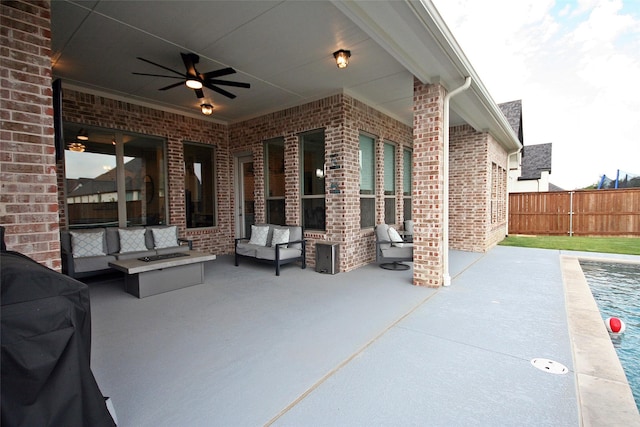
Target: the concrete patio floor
(364, 348)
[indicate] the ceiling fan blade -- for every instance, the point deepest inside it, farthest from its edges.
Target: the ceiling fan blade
(157, 75)
(190, 60)
(228, 83)
(220, 91)
(171, 86)
(199, 93)
(161, 66)
(218, 73)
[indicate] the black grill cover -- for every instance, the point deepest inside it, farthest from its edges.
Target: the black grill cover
(46, 348)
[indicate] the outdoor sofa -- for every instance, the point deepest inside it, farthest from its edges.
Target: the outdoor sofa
(87, 252)
(276, 244)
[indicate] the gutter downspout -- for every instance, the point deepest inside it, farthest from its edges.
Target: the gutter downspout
(445, 215)
(509, 186)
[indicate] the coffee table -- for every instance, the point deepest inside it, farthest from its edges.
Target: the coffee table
(146, 278)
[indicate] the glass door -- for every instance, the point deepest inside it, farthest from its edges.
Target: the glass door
(245, 196)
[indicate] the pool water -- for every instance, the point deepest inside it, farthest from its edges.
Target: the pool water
(616, 289)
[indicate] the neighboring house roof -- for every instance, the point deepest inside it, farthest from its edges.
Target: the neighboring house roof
(106, 182)
(553, 187)
(535, 160)
(513, 112)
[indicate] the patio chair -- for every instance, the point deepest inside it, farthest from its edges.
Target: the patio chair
(391, 249)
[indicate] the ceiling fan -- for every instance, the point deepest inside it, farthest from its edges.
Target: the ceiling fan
(195, 80)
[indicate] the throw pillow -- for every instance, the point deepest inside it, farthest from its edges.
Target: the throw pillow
(132, 240)
(280, 235)
(396, 239)
(259, 235)
(87, 244)
(165, 237)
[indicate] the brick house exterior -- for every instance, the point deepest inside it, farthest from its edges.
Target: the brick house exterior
(33, 196)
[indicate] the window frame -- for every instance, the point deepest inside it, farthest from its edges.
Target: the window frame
(302, 137)
(407, 192)
(153, 181)
(367, 197)
(389, 196)
(214, 189)
(268, 198)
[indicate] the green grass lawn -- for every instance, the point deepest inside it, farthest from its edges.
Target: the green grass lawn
(614, 245)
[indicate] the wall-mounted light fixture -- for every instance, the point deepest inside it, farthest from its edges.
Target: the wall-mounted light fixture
(342, 58)
(319, 173)
(78, 147)
(207, 109)
(82, 135)
(193, 83)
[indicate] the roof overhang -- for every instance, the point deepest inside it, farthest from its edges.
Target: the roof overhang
(415, 34)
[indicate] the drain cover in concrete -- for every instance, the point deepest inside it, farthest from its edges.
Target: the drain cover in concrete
(549, 366)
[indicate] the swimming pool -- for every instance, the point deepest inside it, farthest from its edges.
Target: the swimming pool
(616, 289)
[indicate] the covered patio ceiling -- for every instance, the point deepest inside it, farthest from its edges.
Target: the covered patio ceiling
(283, 49)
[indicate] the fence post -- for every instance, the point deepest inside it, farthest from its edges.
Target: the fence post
(571, 213)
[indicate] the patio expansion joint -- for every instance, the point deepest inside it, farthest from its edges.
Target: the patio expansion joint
(348, 360)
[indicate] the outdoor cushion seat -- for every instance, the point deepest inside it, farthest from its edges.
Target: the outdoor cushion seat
(265, 246)
(88, 252)
(390, 253)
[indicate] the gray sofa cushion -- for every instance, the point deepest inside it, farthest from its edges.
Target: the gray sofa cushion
(173, 250)
(134, 255)
(113, 240)
(263, 252)
(395, 252)
(93, 263)
(247, 249)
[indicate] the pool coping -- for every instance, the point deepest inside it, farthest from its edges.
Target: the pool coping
(603, 393)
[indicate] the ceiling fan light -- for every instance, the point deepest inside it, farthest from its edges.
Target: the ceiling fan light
(342, 58)
(82, 135)
(193, 83)
(207, 109)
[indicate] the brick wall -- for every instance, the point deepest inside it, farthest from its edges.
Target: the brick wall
(468, 189)
(28, 186)
(496, 231)
(471, 157)
(96, 111)
(342, 118)
(428, 181)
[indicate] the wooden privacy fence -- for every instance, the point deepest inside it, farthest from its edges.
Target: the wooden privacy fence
(581, 212)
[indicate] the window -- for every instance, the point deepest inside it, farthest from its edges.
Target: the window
(199, 185)
(389, 183)
(312, 179)
(274, 167)
(367, 159)
(98, 195)
(406, 182)
(498, 194)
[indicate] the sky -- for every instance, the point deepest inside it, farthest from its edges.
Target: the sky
(575, 64)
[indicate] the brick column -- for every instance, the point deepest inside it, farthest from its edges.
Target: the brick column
(428, 183)
(28, 184)
(292, 180)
